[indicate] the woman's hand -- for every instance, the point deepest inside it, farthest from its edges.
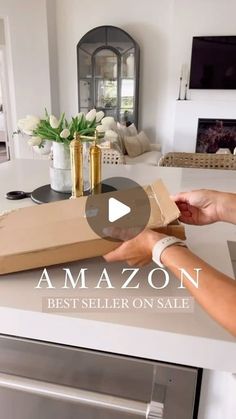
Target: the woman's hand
(199, 207)
(136, 251)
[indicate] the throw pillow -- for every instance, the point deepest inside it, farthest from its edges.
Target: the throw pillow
(137, 144)
(114, 140)
(132, 130)
(124, 131)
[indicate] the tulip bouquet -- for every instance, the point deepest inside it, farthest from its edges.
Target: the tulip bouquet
(60, 130)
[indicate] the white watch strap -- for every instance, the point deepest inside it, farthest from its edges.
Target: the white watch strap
(161, 245)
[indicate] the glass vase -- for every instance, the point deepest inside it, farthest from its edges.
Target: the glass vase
(60, 168)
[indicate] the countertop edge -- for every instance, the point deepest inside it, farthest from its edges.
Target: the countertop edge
(120, 339)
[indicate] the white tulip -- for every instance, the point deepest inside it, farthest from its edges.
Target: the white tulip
(108, 120)
(32, 122)
(29, 124)
(108, 123)
(112, 135)
(79, 116)
(99, 116)
(21, 123)
(25, 131)
(35, 141)
(91, 115)
(65, 133)
(28, 128)
(53, 122)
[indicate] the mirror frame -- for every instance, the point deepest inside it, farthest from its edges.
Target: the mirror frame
(105, 44)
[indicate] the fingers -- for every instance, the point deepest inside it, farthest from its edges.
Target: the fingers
(118, 254)
(183, 206)
(186, 219)
(182, 201)
(138, 262)
(185, 212)
(180, 197)
(137, 251)
(123, 234)
(114, 232)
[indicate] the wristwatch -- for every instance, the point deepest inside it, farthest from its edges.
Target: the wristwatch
(161, 245)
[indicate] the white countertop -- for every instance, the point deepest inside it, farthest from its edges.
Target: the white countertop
(184, 338)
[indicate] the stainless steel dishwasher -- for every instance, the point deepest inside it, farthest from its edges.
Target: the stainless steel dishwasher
(47, 381)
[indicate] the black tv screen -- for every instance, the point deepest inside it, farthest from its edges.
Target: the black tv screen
(213, 62)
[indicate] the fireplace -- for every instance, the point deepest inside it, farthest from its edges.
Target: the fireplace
(213, 134)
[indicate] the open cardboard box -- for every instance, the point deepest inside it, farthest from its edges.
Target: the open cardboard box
(175, 228)
(58, 232)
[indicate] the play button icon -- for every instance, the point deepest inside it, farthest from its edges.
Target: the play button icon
(126, 207)
(117, 210)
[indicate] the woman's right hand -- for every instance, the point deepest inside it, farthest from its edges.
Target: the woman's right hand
(200, 207)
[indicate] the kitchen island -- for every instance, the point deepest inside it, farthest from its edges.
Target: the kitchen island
(195, 337)
(188, 338)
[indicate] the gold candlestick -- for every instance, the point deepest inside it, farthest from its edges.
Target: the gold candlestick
(76, 153)
(95, 167)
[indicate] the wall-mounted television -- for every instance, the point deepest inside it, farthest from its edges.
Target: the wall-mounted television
(213, 62)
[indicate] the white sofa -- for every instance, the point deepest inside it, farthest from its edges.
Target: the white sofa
(115, 156)
(150, 157)
(113, 144)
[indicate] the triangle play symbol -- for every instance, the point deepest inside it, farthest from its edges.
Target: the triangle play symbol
(117, 210)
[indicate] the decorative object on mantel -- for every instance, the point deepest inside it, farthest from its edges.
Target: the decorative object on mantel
(186, 84)
(186, 92)
(223, 151)
(184, 78)
(180, 83)
(60, 133)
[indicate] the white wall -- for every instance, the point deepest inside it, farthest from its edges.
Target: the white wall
(28, 61)
(2, 32)
(164, 31)
(2, 42)
(53, 55)
(196, 18)
(149, 24)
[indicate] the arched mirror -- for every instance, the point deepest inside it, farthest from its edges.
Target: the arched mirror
(108, 73)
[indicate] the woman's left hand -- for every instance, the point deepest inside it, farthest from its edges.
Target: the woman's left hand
(136, 251)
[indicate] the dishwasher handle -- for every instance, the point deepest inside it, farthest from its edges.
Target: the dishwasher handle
(152, 410)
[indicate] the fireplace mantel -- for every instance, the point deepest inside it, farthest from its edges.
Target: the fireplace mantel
(187, 113)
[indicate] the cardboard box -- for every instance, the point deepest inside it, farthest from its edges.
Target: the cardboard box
(58, 232)
(173, 229)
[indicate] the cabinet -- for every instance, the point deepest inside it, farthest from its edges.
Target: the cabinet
(108, 73)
